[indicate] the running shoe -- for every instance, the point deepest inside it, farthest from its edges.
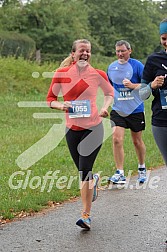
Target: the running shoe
(96, 178)
(117, 178)
(84, 221)
(142, 175)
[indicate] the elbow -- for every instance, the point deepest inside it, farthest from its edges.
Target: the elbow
(144, 92)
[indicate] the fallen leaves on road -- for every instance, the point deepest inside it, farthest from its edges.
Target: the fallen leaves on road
(24, 214)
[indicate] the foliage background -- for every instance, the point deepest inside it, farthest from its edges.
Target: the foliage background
(55, 24)
(20, 130)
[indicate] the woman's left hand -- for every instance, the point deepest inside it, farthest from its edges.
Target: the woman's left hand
(103, 113)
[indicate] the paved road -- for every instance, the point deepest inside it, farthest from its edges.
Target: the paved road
(132, 219)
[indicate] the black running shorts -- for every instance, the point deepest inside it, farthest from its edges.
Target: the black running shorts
(135, 122)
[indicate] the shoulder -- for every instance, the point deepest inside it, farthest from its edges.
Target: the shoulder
(156, 58)
(114, 63)
(156, 55)
(102, 73)
(64, 69)
(135, 62)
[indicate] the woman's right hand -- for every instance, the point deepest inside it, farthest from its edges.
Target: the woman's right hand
(66, 105)
(61, 106)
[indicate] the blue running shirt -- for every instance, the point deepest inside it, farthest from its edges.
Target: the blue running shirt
(126, 101)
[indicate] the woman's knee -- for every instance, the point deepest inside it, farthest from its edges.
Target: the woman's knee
(86, 175)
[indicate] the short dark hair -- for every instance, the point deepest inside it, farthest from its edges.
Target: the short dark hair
(123, 42)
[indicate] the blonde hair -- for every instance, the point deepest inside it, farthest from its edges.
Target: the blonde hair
(69, 60)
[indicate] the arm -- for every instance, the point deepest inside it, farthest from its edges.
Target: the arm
(148, 75)
(157, 82)
(52, 96)
(107, 102)
(128, 84)
(64, 106)
(108, 94)
(147, 88)
(137, 75)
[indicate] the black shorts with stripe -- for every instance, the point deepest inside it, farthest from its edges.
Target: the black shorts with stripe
(135, 122)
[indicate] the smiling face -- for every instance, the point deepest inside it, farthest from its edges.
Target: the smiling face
(123, 53)
(163, 39)
(82, 52)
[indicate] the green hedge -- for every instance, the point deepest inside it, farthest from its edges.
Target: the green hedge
(16, 44)
(51, 57)
(96, 59)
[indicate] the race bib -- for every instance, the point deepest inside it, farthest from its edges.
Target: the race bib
(163, 97)
(125, 94)
(80, 108)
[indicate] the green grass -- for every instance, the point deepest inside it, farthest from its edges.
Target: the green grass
(19, 131)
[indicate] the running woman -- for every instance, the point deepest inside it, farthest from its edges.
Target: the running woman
(78, 82)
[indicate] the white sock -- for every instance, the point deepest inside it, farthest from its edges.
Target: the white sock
(141, 165)
(121, 172)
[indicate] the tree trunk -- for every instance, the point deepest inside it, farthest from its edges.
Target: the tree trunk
(38, 56)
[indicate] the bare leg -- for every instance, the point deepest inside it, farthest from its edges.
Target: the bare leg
(139, 146)
(87, 195)
(118, 150)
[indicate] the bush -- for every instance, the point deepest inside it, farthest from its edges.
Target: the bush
(15, 44)
(97, 60)
(17, 76)
(51, 57)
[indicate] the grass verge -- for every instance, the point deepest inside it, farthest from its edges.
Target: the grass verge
(30, 189)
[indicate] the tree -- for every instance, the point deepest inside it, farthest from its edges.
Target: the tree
(53, 24)
(4, 3)
(130, 20)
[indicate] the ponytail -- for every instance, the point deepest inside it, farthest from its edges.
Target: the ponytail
(67, 61)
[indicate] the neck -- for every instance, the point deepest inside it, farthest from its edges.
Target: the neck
(82, 64)
(122, 61)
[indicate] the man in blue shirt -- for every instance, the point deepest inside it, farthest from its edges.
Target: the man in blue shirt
(128, 109)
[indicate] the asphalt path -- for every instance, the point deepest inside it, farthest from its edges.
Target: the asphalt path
(129, 219)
